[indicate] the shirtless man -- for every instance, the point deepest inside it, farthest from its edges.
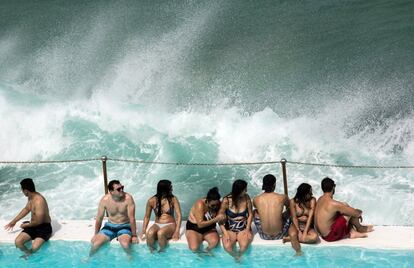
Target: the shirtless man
(336, 220)
(269, 217)
(121, 223)
(39, 228)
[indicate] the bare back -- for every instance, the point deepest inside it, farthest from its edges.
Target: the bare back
(39, 209)
(270, 208)
(327, 210)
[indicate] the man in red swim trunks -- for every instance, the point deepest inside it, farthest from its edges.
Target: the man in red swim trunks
(336, 220)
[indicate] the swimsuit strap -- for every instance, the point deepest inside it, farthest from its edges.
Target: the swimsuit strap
(169, 212)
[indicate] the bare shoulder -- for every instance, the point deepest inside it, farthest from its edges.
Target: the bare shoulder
(175, 199)
(105, 199)
(128, 198)
(151, 201)
(199, 203)
(38, 200)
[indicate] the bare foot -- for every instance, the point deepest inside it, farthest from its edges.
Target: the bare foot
(298, 253)
(286, 239)
(25, 256)
(370, 228)
(354, 234)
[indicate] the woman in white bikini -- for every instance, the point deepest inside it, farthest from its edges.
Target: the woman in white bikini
(166, 226)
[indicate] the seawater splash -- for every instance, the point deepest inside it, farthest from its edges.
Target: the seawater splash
(218, 82)
(80, 129)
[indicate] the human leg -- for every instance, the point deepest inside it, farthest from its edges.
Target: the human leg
(125, 241)
(212, 239)
(164, 234)
(293, 235)
(194, 240)
(36, 244)
(354, 221)
(310, 238)
(97, 241)
(151, 236)
(244, 238)
(228, 242)
(20, 242)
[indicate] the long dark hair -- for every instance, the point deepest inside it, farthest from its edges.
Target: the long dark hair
(213, 194)
(164, 190)
(238, 187)
(301, 194)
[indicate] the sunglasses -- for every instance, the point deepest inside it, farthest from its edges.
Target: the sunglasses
(119, 189)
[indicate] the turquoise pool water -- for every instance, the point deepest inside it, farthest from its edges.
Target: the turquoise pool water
(71, 254)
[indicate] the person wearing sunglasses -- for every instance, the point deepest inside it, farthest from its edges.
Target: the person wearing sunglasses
(202, 221)
(120, 208)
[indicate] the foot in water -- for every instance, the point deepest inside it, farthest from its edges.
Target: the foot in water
(25, 256)
(298, 254)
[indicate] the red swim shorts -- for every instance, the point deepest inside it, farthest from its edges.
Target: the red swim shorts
(339, 230)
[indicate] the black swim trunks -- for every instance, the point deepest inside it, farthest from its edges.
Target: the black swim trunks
(43, 231)
(192, 226)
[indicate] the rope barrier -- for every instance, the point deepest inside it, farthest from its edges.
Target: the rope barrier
(347, 166)
(193, 164)
(51, 161)
(203, 164)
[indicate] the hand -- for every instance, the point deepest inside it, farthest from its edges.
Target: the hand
(142, 236)
(220, 218)
(226, 238)
(246, 233)
(360, 218)
(135, 240)
(176, 236)
(24, 225)
(9, 226)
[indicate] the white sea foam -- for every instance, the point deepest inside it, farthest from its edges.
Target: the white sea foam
(38, 132)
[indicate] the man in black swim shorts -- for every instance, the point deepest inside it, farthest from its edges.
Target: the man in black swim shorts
(38, 228)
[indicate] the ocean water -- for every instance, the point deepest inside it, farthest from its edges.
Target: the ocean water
(179, 256)
(207, 82)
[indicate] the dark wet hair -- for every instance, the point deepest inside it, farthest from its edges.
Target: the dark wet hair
(238, 187)
(327, 185)
(213, 194)
(269, 183)
(111, 184)
(28, 184)
(163, 191)
(303, 190)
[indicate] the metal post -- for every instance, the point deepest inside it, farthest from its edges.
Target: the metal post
(105, 175)
(285, 186)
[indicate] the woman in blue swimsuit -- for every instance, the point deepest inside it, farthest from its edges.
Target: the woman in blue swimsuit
(237, 206)
(166, 225)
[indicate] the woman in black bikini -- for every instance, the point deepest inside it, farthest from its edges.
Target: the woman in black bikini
(237, 206)
(201, 223)
(166, 226)
(302, 208)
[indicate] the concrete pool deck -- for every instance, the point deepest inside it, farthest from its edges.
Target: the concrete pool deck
(383, 237)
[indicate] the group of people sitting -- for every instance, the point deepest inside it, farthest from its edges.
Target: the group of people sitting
(301, 219)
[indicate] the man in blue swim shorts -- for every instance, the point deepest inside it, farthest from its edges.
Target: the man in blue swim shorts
(270, 221)
(121, 224)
